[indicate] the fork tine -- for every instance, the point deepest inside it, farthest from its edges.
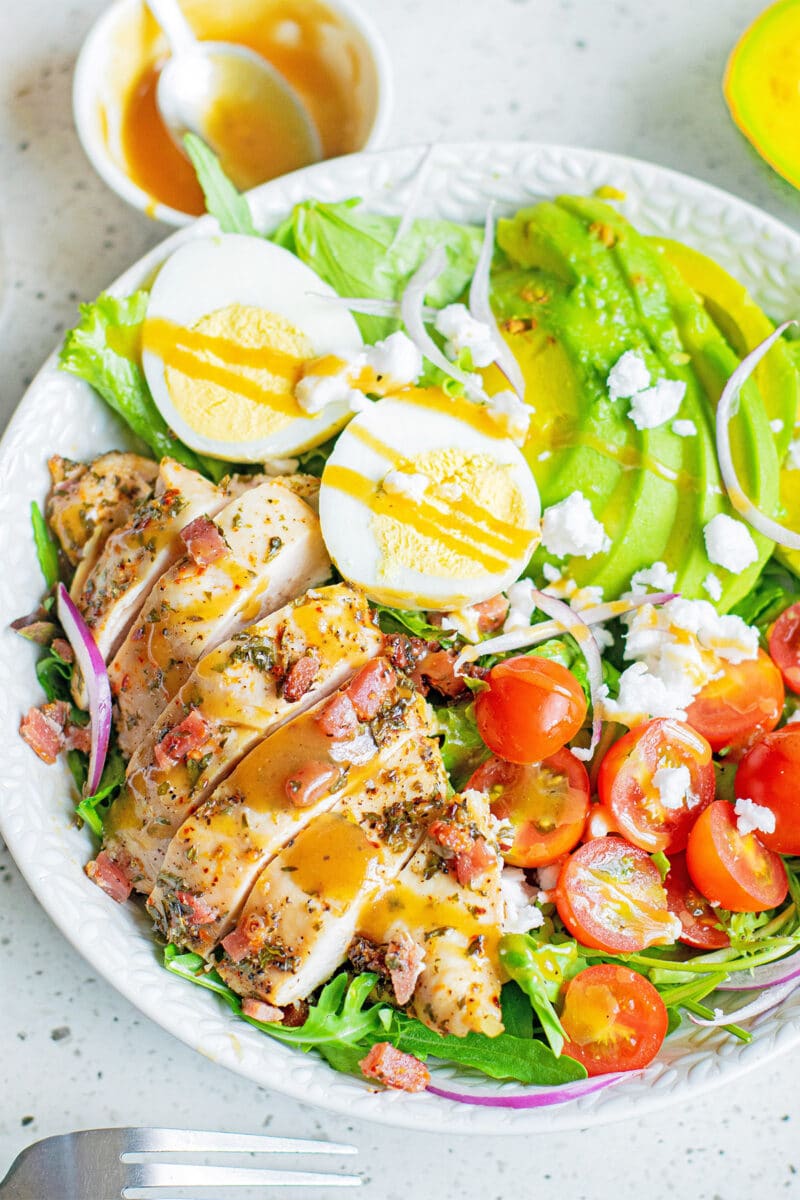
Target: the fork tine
(183, 1175)
(198, 1141)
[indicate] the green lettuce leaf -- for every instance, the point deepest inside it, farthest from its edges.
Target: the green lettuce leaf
(463, 749)
(103, 349)
(410, 621)
(541, 972)
(223, 201)
(46, 548)
(93, 809)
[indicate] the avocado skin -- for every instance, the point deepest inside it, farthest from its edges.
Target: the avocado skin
(580, 274)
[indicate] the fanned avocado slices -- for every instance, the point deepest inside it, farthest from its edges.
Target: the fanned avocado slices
(580, 287)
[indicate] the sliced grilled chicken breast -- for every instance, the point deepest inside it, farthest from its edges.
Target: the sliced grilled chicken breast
(286, 781)
(134, 555)
(447, 901)
(237, 695)
(264, 548)
(303, 910)
(88, 500)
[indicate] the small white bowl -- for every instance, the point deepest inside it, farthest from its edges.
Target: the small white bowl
(116, 50)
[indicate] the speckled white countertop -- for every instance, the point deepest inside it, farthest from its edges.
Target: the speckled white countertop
(640, 78)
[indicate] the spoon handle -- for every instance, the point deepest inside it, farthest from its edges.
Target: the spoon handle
(173, 24)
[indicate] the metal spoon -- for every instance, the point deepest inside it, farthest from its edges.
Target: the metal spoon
(235, 100)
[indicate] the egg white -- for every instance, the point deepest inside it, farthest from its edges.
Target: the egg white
(207, 275)
(388, 436)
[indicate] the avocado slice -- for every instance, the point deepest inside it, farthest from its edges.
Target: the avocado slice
(582, 279)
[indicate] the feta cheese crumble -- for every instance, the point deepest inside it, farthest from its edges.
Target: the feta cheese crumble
(655, 578)
(406, 483)
(511, 414)
(521, 913)
(753, 818)
(713, 586)
(570, 528)
(684, 428)
(520, 605)
(628, 376)
(315, 392)
(462, 332)
(777, 425)
(657, 404)
(673, 785)
(729, 543)
(793, 456)
(396, 359)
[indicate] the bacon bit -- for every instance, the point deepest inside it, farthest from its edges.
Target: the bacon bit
(405, 962)
(237, 945)
(436, 668)
(492, 613)
(63, 649)
(44, 735)
(370, 688)
(177, 743)
(296, 1014)
(203, 541)
(309, 783)
(395, 1068)
(300, 677)
(338, 719)
(109, 876)
(259, 1010)
(78, 737)
(470, 865)
(403, 652)
(200, 912)
(451, 837)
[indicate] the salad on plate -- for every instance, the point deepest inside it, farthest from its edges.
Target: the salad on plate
(429, 663)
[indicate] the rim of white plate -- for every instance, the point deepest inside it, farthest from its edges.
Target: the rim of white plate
(35, 811)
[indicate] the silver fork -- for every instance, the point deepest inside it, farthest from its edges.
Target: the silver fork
(109, 1164)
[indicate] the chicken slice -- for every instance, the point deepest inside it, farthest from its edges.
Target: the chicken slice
(237, 695)
(297, 773)
(304, 909)
(447, 902)
(134, 555)
(88, 500)
(264, 548)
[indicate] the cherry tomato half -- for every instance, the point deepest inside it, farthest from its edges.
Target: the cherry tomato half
(610, 897)
(784, 646)
(546, 804)
(700, 923)
(647, 757)
(745, 702)
(531, 708)
(769, 774)
(614, 1019)
(732, 869)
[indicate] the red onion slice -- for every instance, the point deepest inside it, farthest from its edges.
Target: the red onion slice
(578, 627)
(411, 311)
(95, 678)
(769, 998)
(371, 306)
(420, 178)
(535, 1098)
(481, 309)
(534, 635)
(770, 975)
(726, 409)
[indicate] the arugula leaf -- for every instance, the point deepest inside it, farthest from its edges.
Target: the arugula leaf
(354, 251)
(462, 747)
(540, 971)
(407, 620)
(103, 349)
(517, 1011)
(526, 1060)
(93, 809)
(223, 200)
(776, 590)
(46, 548)
(54, 674)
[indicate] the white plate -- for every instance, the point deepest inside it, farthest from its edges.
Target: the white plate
(59, 414)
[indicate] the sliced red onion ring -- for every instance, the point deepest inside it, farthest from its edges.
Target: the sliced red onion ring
(575, 624)
(421, 173)
(770, 975)
(411, 311)
(726, 409)
(371, 306)
(481, 309)
(534, 635)
(95, 678)
(769, 998)
(535, 1098)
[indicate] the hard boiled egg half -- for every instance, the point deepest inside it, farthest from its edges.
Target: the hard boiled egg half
(424, 504)
(230, 322)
